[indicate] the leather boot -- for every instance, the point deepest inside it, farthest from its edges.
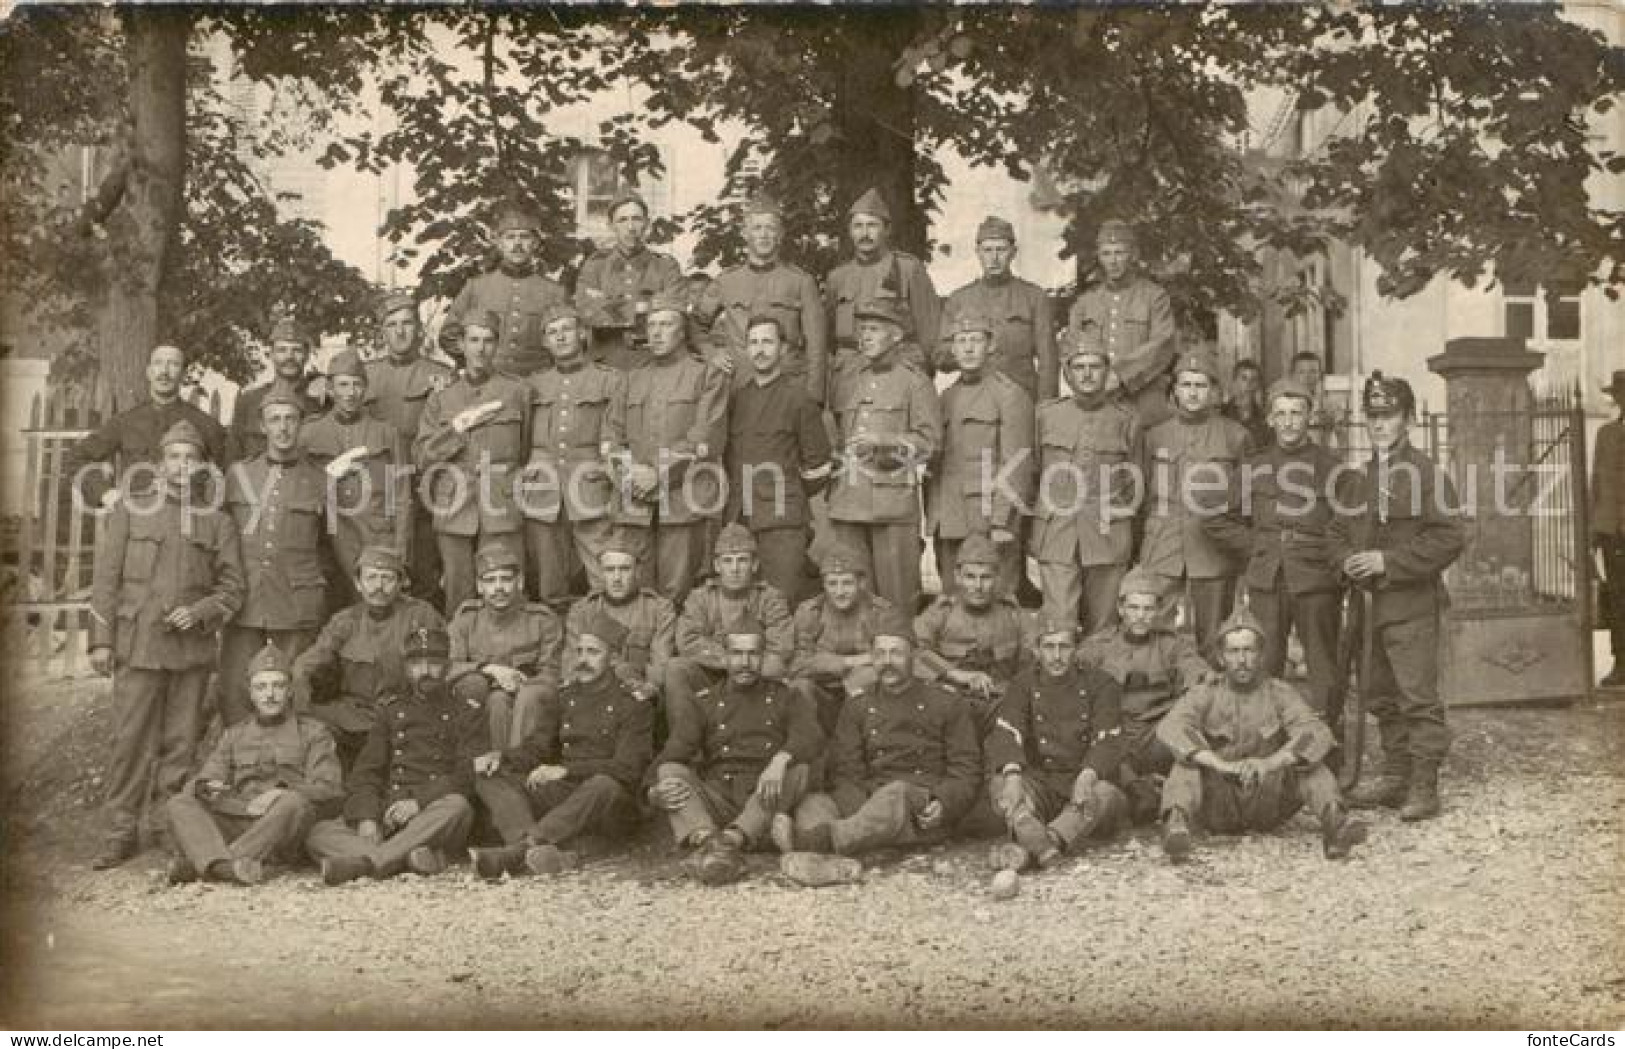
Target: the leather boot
(1386, 790)
(426, 861)
(492, 864)
(1338, 833)
(1422, 797)
(336, 870)
(1176, 835)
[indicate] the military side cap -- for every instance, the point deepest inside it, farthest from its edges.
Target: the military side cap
(558, 312)
(879, 309)
(1139, 581)
(1054, 624)
(1086, 343)
(346, 362)
(394, 302)
(385, 557)
(605, 628)
(966, 322)
(1289, 388)
(978, 549)
(746, 626)
(1385, 393)
(618, 543)
(183, 432)
(871, 203)
(841, 558)
(1115, 231)
(495, 557)
(762, 204)
(666, 302)
(281, 395)
(735, 539)
(1240, 619)
(486, 319)
(625, 198)
(894, 622)
(995, 228)
(514, 215)
(427, 641)
(287, 329)
(269, 660)
(1198, 360)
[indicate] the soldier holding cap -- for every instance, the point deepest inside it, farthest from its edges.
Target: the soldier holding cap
(1608, 522)
(470, 445)
(639, 661)
(877, 271)
(1023, 335)
(514, 291)
(833, 632)
(1133, 318)
(503, 648)
(577, 772)
(261, 788)
(167, 575)
(408, 803)
(617, 283)
(291, 344)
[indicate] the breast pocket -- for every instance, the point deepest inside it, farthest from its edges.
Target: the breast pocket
(140, 558)
(1016, 335)
(500, 436)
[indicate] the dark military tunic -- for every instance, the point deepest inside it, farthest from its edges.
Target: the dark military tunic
(775, 431)
(734, 731)
(593, 729)
(419, 748)
(921, 736)
(1054, 727)
(135, 436)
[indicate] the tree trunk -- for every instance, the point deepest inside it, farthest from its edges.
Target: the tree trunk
(875, 120)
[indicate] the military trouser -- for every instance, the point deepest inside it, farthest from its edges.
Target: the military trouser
(860, 824)
(1211, 602)
(423, 573)
(1040, 804)
(891, 556)
(558, 812)
(1222, 805)
(1613, 566)
(349, 719)
(782, 555)
(158, 719)
(731, 799)
(1404, 692)
(442, 824)
(1011, 562)
(553, 549)
(1146, 760)
(670, 556)
(205, 836)
(1092, 588)
(238, 647)
(1316, 617)
(513, 715)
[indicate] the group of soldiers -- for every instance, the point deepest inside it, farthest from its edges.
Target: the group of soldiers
(611, 495)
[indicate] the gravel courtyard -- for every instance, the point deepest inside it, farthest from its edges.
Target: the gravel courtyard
(1503, 913)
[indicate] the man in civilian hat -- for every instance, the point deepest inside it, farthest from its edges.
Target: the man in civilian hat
(1023, 325)
(1397, 529)
(567, 493)
(503, 648)
(739, 755)
(355, 661)
(577, 772)
(261, 788)
(168, 574)
(291, 344)
(834, 657)
(514, 291)
(470, 446)
(617, 283)
(1133, 318)
(639, 660)
(984, 484)
(764, 286)
(1608, 523)
(278, 500)
(1191, 461)
(889, 428)
(778, 458)
(408, 803)
(665, 433)
(1249, 754)
(877, 271)
(1090, 446)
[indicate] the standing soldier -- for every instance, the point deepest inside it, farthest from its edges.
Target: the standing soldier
(889, 425)
(290, 354)
(260, 790)
(834, 659)
(514, 291)
(567, 493)
(1396, 531)
(470, 445)
(617, 283)
(876, 271)
(510, 645)
(167, 576)
(665, 434)
(1133, 318)
(766, 286)
(278, 500)
(1191, 461)
(408, 803)
(985, 481)
(1608, 522)
(778, 458)
(1023, 336)
(639, 659)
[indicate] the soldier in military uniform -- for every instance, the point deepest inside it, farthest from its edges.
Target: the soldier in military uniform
(639, 660)
(877, 271)
(665, 432)
(470, 445)
(1134, 319)
(123, 456)
(1248, 405)
(889, 426)
(1023, 335)
(833, 632)
(1154, 665)
(514, 291)
(260, 790)
(1395, 532)
(764, 285)
(1249, 754)
(739, 756)
(278, 500)
(168, 574)
(577, 772)
(1608, 523)
(616, 285)
(1090, 445)
(1310, 372)
(353, 664)
(505, 649)
(985, 481)
(1054, 754)
(290, 354)
(1191, 462)
(778, 458)
(408, 803)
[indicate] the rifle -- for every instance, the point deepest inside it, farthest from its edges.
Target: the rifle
(1352, 714)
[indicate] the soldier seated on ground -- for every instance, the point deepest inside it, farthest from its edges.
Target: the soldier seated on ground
(577, 772)
(1054, 754)
(834, 632)
(505, 649)
(1250, 754)
(739, 757)
(408, 794)
(259, 792)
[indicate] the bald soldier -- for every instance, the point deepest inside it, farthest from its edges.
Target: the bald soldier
(888, 427)
(617, 283)
(639, 660)
(834, 630)
(290, 355)
(1133, 318)
(503, 648)
(877, 271)
(1023, 336)
(514, 291)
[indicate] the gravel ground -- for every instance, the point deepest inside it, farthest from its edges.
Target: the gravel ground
(1503, 913)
